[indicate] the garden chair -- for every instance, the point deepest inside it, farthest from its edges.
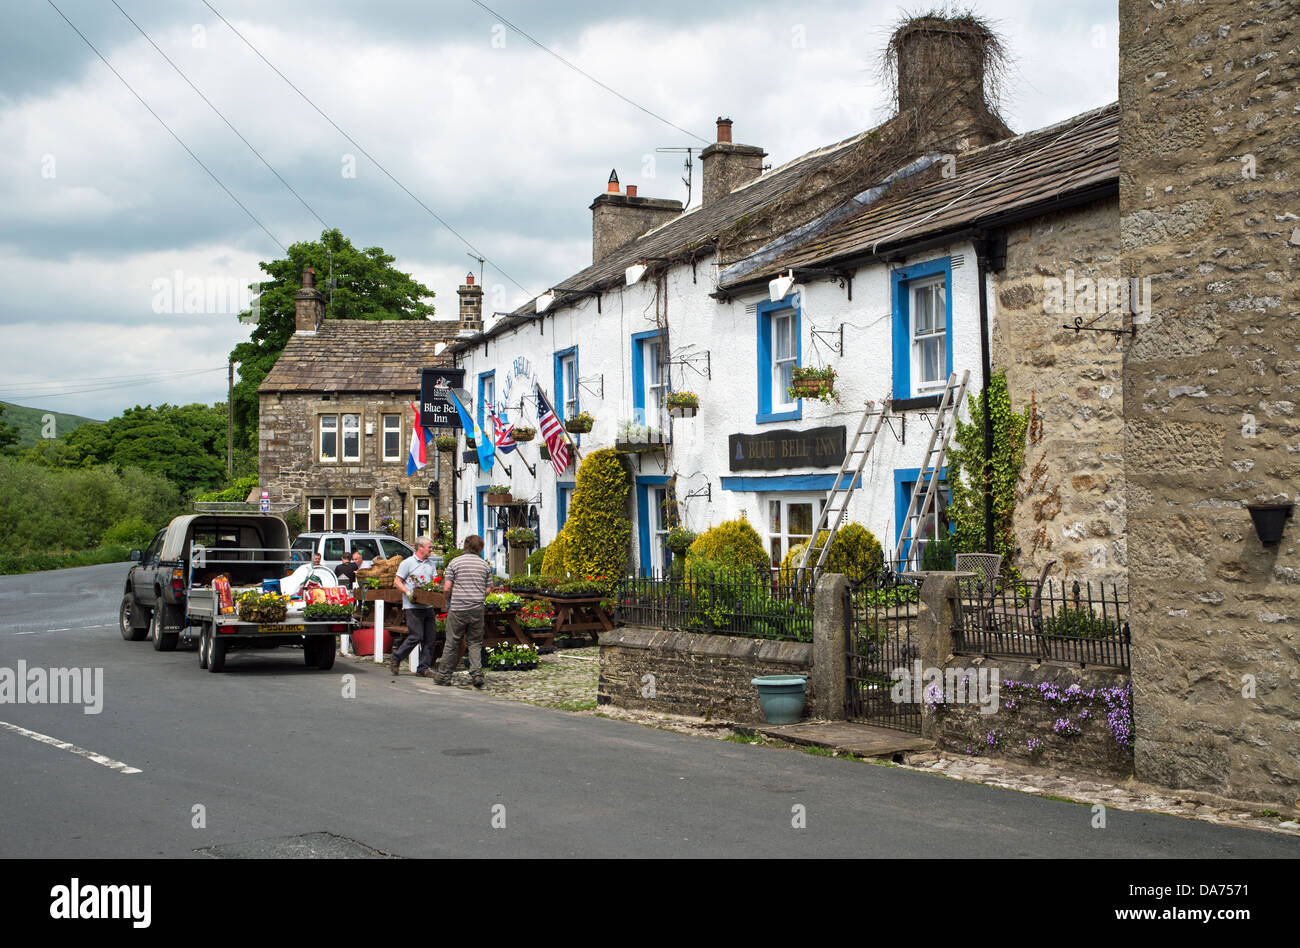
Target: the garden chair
(1011, 615)
(977, 592)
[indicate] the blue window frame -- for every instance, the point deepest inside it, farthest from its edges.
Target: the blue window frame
(566, 386)
(780, 348)
(904, 480)
(648, 515)
(922, 349)
(563, 494)
(487, 386)
(648, 378)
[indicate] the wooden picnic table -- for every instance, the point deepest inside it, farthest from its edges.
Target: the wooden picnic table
(579, 616)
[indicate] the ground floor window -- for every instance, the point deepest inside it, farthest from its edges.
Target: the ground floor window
(790, 521)
(422, 517)
(361, 513)
(316, 515)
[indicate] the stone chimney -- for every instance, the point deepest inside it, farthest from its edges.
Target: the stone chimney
(727, 166)
(618, 219)
(471, 305)
(308, 304)
(941, 66)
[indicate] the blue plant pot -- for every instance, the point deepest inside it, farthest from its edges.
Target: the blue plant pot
(781, 697)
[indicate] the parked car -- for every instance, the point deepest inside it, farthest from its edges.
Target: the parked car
(333, 545)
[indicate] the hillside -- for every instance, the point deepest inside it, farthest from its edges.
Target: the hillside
(29, 422)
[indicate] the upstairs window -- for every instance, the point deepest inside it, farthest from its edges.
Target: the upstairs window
(392, 437)
(922, 328)
(329, 437)
(352, 437)
(779, 352)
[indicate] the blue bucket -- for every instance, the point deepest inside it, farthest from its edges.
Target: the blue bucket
(270, 585)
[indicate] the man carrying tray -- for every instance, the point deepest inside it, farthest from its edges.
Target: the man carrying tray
(421, 622)
(465, 579)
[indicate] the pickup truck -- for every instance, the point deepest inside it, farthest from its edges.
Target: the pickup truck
(168, 593)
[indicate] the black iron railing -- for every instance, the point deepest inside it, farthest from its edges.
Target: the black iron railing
(741, 604)
(1075, 622)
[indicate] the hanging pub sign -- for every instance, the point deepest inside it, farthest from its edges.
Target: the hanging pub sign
(437, 410)
(773, 450)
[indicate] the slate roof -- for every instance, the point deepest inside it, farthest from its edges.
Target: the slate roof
(998, 180)
(695, 227)
(360, 355)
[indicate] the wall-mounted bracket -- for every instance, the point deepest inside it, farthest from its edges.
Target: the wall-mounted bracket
(706, 492)
(827, 335)
(589, 383)
(1079, 327)
(692, 362)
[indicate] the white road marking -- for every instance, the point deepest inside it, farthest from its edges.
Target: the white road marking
(100, 759)
(107, 625)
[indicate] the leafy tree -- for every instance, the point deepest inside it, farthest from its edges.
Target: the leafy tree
(185, 443)
(366, 287)
(8, 434)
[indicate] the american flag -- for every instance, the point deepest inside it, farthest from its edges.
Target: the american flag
(552, 434)
(503, 435)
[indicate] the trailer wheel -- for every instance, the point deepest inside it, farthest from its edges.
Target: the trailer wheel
(325, 653)
(217, 652)
(162, 641)
(129, 631)
(205, 643)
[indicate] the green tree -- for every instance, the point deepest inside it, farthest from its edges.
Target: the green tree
(366, 286)
(967, 473)
(184, 443)
(8, 434)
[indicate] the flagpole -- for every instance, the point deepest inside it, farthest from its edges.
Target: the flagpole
(564, 431)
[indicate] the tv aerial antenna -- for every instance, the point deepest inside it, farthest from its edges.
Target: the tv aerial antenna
(688, 165)
(474, 256)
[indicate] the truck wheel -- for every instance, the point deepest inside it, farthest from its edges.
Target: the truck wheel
(205, 644)
(216, 653)
(162, 641)
(129, 632)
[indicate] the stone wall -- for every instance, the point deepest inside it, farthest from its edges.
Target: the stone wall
(700, 675)
(1070, 505)
(1210, 193)
(289, 449)
(1025, 712)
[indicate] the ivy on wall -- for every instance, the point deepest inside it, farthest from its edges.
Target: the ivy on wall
(967, 473)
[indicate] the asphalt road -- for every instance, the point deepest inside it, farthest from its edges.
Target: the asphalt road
(269, 753)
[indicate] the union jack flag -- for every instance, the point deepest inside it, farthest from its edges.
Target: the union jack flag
(552, 433)
(503, 435)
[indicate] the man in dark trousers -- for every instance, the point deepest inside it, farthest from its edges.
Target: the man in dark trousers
(421, 621)
(465, 581)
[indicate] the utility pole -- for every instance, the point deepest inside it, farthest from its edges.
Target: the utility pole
(230, 418)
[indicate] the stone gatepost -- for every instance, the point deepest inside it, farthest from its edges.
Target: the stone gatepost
(934, 623)
(830, 653)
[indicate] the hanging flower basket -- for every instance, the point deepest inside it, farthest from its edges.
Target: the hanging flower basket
(813, 383)
(498, 495)
(445, 444)
(683, 404)
(523, 435)
(521, 537)
(581, 423)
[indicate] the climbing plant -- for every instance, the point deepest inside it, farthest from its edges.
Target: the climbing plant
(967, 473)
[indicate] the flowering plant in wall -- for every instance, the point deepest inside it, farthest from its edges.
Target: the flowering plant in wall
(812, 382)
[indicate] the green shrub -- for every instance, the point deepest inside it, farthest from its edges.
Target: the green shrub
(132, 533)
(939, 555)
(855, 553)
(732, 545)
(1079, 623)
(598, 529)
(553, 558)
(451, 555)
(533, 565)
(235, 493)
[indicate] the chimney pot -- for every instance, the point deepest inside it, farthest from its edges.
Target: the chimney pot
(724, 129)
(612, 186)
(309, 278)
(469, 279)
(631, 190)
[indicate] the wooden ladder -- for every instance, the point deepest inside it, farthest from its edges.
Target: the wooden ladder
(837, 504)
(925, 490)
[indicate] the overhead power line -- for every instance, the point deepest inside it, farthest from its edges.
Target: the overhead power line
(200, 94)
(355, 144)
(196, 158)
(546, 49)
(33, 387)
(111, 387)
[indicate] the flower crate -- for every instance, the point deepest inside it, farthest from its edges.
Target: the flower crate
(430, 597)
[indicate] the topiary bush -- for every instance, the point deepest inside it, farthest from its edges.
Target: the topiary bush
(533, 565)
(855, 553)
(598, 529)
(553, 558)
(732, 545)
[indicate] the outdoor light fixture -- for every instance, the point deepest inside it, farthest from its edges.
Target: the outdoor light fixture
(780, 288)
(545, 300)
(1269, 519)
(635, 272)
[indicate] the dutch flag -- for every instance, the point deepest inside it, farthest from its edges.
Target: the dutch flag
(419, 455)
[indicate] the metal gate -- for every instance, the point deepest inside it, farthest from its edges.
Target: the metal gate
(879, 611)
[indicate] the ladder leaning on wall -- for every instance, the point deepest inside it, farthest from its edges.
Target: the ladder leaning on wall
(925, 490)
(837, 503)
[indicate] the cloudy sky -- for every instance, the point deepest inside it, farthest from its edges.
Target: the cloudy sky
(102, 212)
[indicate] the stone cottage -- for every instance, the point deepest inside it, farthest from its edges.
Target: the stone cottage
(336, 418)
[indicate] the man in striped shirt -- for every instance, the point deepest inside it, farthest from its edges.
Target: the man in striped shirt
(465, 581)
